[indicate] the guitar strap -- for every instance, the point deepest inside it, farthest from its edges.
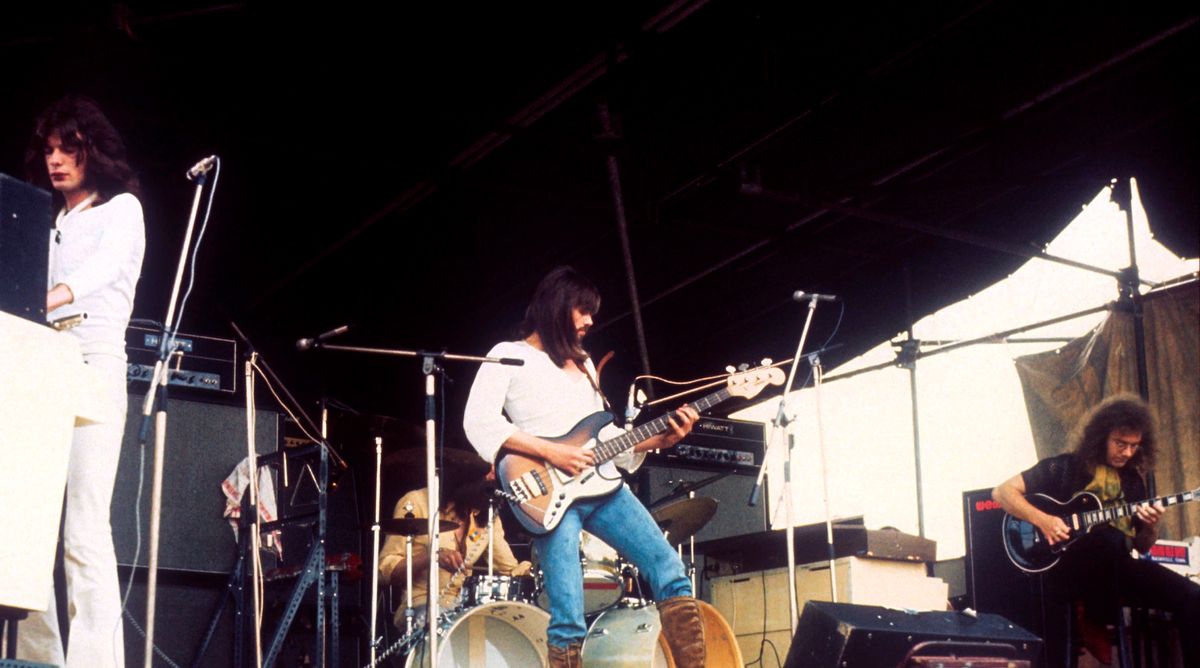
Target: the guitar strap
(596, 386)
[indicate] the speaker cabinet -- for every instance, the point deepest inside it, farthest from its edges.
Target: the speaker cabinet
(733, 517)
(993, 584)
(842, 635)
(205, 442)
(182, 612)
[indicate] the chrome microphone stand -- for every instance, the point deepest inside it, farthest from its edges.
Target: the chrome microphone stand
(782, 421)
(429, 369)
(197, 173)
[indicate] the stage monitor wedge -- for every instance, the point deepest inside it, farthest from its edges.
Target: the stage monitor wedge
(842, 635)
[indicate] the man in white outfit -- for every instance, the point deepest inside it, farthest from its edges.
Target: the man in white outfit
(95, 260)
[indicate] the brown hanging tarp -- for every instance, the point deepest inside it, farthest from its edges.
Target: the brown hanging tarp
(1062, 384)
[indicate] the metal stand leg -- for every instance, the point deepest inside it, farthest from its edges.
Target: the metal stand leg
(334, 621)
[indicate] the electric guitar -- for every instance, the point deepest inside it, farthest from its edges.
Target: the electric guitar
(1027, 546)
(540, 493)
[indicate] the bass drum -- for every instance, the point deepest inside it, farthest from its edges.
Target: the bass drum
(602, 585)
(630, 636)
(625, 637)
(496, 635)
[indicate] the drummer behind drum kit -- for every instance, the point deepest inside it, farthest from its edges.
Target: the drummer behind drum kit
(500, 620)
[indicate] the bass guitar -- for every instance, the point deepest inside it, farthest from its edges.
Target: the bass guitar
(540, 493)
(1027, 546)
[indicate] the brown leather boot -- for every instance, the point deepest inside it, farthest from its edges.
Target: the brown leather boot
(684, 629)
(566, 657)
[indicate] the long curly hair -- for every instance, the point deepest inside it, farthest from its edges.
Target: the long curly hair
(1120, 412)
(81, 126)
(465, 488)
(549, 313)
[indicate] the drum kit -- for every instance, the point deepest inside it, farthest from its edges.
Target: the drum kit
(501, 620)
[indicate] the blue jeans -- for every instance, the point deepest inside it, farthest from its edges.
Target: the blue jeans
(620, 520)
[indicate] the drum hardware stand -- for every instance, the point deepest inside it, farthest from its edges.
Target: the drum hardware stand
(408, 579)
(429, 369)
(375, 639)
(235, 591)
(687, 489)
(314, 568)
(781, 422)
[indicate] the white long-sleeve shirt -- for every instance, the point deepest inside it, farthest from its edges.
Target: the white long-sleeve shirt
(539, 398)
(97, 253)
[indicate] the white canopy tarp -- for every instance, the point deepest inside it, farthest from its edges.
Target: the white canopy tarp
(974, 431)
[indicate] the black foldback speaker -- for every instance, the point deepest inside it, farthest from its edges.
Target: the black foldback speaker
(994, 584)
(842, 635)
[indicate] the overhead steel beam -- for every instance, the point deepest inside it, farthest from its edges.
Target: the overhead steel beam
(554, 97)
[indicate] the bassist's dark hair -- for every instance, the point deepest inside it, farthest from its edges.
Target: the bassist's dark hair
(1120, 412)
(549, 313)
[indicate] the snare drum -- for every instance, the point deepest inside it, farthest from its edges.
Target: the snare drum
(496, 635)
(480, 589)
(602, 585)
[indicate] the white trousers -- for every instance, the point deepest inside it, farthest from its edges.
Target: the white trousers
(93, 595)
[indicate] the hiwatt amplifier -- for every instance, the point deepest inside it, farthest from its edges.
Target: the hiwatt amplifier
(717, 445)
(198, 362)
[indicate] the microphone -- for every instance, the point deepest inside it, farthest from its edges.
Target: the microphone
(801, 296)
(309, 344)
(631, 409)
(202, 167)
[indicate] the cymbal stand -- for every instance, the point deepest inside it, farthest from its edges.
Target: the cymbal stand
(375, 552)
(429, 369)
(408, 582)
(491, 536)
(692, 553)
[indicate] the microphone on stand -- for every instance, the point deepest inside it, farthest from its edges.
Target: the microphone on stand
(309, 344)
(202, 167)
(801, 296)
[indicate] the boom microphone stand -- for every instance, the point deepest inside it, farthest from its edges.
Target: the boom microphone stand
(166, 349)
(782, 421)
(429, 369)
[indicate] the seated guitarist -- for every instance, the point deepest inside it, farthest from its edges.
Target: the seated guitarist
(1113, 447)
(554, 390)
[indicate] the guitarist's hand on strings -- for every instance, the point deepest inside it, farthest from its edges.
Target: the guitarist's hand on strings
(569, 458)
(1010, 494)
(1147, 529)
(1053, 528)
(1149, 514)
(681, 422)
(679, 425)
(450, 560)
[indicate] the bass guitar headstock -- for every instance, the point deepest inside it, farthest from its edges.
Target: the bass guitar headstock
(747, 384)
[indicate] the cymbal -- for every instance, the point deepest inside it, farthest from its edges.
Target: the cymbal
(413, 526)
(682, 519)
